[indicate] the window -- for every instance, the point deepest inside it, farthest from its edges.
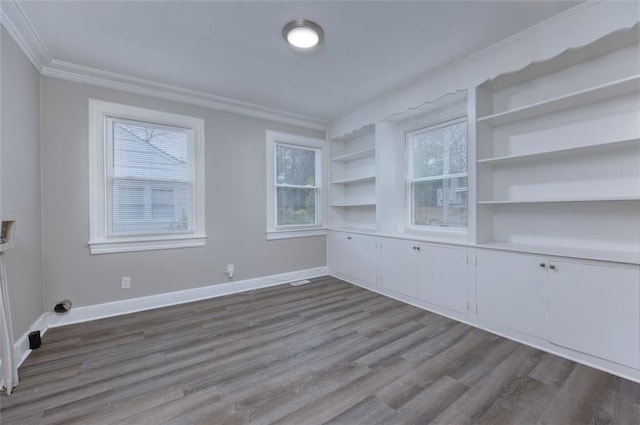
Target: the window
(294, 186)
(146, 179)
(437, 176)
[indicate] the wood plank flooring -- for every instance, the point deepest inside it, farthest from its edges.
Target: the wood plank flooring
(325, 352)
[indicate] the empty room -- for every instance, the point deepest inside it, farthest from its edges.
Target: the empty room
(319, 212)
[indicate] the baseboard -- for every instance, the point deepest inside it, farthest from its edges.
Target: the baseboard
(117, 308)
(22, 344)
(620, 370)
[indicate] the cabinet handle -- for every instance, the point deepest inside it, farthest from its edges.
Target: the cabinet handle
(552, 267)
(349, 237)
(543, 265)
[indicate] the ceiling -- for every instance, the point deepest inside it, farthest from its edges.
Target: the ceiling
(234, 49)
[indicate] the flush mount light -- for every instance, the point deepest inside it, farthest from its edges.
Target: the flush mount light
(302, 34)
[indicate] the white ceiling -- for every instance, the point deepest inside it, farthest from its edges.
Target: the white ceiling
(235, 49)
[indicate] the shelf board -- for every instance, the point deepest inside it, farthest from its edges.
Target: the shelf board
(586, 149)
(355, 180)
(629, 257)
(562, 200)
(625, 86)
(355, 155)
(354, 204)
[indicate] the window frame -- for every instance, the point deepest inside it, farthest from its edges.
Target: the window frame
(409, 181)
(273, 230)
(100, 241)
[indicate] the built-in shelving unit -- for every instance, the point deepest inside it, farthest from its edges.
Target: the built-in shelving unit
(353, 180)
(558, 154)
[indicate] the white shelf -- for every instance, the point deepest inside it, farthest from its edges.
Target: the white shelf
(355, 180)
(354, 204)
(365, 153)
(558, 200)
(623, 87)
(628, 257)
(587, 149)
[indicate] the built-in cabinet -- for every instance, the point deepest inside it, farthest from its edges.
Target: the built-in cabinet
(437, 275)
(595, 309)
(354, 256)
(553, 250)
(443, 277)
(512, 291)
(398, 271)
(567, 306)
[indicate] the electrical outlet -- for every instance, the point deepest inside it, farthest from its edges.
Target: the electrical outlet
(125, 282)
(230, 270)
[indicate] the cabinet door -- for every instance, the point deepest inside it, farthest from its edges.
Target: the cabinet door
(397, 269)
(442, 277)
(595, 310)
(512, 291)
(339, 253)
(364, 259)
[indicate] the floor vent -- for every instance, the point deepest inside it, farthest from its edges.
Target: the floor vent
(300, 282)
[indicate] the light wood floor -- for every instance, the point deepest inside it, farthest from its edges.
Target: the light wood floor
(325, 352)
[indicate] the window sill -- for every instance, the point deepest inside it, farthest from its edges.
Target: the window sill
(146, 244)
(295, 233)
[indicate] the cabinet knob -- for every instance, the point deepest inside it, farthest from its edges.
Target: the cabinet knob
(418, 248)
(349, 237)
(543, 265)
(552, 267)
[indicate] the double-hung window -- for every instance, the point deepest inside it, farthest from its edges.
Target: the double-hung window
(146, 179)
(294, 186)
(437, 181)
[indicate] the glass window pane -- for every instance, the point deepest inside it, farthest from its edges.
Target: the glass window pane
(295, 166)
(440, 150)
(148, 152)
(150, 175)
(162, 206)
(296, 206)
(440, 203)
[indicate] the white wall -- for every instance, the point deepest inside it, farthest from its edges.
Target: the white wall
(20, 180)
(235, 206)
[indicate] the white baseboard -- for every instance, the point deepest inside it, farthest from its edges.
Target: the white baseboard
(116, 308)
(22, 344)
(620, 370)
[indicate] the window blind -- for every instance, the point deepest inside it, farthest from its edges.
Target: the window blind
(149, 178)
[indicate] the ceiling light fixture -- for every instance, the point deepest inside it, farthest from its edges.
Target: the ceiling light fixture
(302, 34)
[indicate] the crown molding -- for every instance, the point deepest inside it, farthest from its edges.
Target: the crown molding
(96, 77)
(21, 30)
(14, 20)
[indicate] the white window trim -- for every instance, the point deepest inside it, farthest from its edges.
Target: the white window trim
(99, 243)
(434, 233)
(285, 232)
